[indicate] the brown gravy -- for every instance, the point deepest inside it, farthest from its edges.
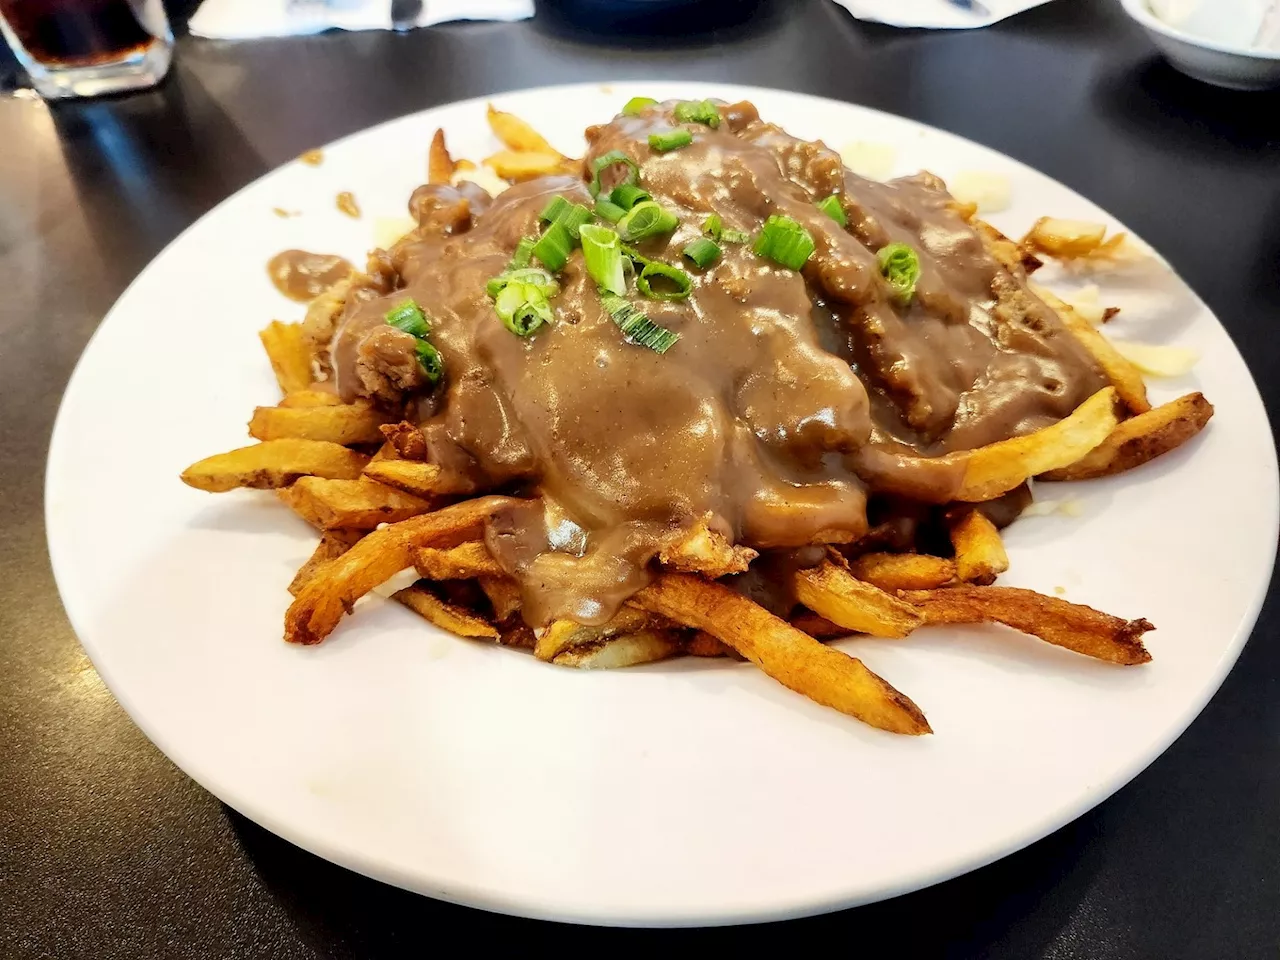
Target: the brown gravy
(303, 276)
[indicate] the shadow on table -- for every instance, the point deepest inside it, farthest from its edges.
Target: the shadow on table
(341, 913)
(657, 23)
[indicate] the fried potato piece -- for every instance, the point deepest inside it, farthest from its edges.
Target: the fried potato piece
(274, 463)
(406, 438)
(440, 165)
(289, 353)
(627, 650)
(980, 553)
(903, 571)
(504, 596)
(1123, 374)
(831, 591)
(348, 423)
(1140, 439)
(320, 605)
(414, 476)
(702, 550)
(466, 561)
(818, 627)
(350, 504)
(1070, 625)
(560, 635)
(516, 134)
(311, 398)
(793, 658)
(1067, 239)
(516, 634)
(333, 544)
(702, 644)
(517, 167)
(447, 616)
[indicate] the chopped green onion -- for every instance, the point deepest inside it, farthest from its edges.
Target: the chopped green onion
(522, 308)
(524, 253)
(901, 267)
(653, 270)
(408, 316)
(608, 210)
(647, 219)
(554, 246)
(785, 241)
(636, 106)
(670, 140)
(570, 215)
(735, 236)
(534, 275)
(627, 195)
(602, 250)
(713, 226)
(637, 327)
(611, 159)
(698, 111)
(430, 360)
(702, 251)
(554, 208)
(832, 208)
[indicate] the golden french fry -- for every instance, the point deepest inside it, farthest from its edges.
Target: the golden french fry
(560, 635)
(1140, 439)
(504, 596)
(447, 616)
(820, 628)
(333, 544)
(702, 550)
(387, 451)
(440, 165)
(903, 571)
(382, 554)
(414, 476)
(1066, 239)
(516, 635)
(703, 644)
(311, 398)
(1070, 625)
(980, 553)
(793, 658)
(516, 134)
(527, 166)
(289, 353)
(350, 504)
(831, 591)
(274, 463)
(627, 650)
(466, 561)
(1124, 375)
(348, 423)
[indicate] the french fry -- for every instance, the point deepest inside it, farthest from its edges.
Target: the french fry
(274, 463)
(627, 650)
(1141, 439)
(350, 504)
(560, 635)
(1124, 375)
(903, 571)
(413, 476)
(831, 591)
(1070, 625)
(348, 423)
(516, 134)
(703, 644)
(445, 615)
(440, 165)
(319, 607)
(702, 550)
(793, 658)
(504, 596)
(310, 398)
(289, 353)
(387, 451)
(1066, 239)
(466, 561)
(333, 544)
(980, 553)
(516, 635)
(517, 167)
(818, 627)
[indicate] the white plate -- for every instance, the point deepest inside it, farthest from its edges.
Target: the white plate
(679, 793)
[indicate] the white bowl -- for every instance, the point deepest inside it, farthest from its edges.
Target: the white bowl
(1225, 65)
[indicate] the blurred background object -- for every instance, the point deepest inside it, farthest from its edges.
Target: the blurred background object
(84, 48)
(251, 19)
(1229, 43)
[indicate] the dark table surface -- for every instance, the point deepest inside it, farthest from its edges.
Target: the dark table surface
(107, 850)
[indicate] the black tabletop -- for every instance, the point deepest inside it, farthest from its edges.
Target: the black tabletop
(107, 850)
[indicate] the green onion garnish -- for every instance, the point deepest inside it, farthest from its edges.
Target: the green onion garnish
(735, 236)
(637, 327)
(524, 253)
(714, 228)
(698, 111)
(901, 267)
(703, 252)
(430, 360)
(534, 275)
(636, 106)
(832, 208)
(655, 271)
(408, 316)
(647, 219)
(554, 208)
(569, 215)
(627, 195)
(608, 210)
(785, 241)
(670, 140)
(611, 159)
(602, 249)
(554, 246)
(522, 308)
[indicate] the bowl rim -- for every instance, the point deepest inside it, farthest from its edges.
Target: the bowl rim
(1141, 12)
